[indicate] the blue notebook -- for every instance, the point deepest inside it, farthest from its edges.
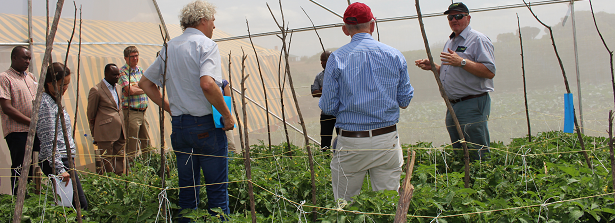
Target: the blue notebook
(217, 116)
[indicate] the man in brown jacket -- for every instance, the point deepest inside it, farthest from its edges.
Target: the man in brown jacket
(106, 120)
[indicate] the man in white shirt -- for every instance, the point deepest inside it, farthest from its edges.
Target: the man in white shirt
(192, 81)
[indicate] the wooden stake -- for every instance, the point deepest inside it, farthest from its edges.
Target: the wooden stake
(607, 49)
(260, 73)
(611, 148)
(230, 82)
(23, 178)
(69, 152)
(282, 81)
(246, 145)
(78, 76)
(527, 111)
(37, 180)
(286, 49)
(561, 65)
(319, 39)
(405, 192)
(466, 153)
(161, 116)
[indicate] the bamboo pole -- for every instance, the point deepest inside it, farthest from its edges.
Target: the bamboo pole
(260, 73)
(21, 191)
(576, 63)
(605, 46)
(30, 41)
(246, 145)
(466, 153)
(406, 191)
(527, 111)
(561, 65)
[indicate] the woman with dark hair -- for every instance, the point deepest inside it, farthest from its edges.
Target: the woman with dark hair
(47, 127)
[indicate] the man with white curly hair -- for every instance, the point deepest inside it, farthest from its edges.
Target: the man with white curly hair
(193, 74)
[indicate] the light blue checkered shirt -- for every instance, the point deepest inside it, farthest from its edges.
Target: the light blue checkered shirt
(365, 84)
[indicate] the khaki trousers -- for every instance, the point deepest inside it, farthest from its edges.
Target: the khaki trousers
(136, 129)
(112, 154)
(354, 157)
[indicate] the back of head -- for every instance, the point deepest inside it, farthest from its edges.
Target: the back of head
(324, 56)
(357, 17)
(193, 12)
(55, 70)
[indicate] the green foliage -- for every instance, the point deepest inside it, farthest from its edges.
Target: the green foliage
(509, 187)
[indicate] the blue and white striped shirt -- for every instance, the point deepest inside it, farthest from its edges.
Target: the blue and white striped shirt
(366, 82)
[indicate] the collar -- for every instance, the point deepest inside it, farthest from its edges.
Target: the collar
(361, 36)
(463, 34)
(108, 85)
(191, 30)
(132, 69)
(17, 72)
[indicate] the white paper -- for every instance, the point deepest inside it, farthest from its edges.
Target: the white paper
(64, 192)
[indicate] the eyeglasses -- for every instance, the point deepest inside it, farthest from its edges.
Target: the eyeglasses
(134, 56)
(457, 17)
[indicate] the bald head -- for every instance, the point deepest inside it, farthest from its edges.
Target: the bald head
(323, 58)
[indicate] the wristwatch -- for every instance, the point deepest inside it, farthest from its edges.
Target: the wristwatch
(463, 62)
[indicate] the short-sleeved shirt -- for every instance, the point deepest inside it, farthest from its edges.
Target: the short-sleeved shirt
(191, 56)
(128, 77)
(20, 88)
(475, 46)
(318, 81)
(365, 84)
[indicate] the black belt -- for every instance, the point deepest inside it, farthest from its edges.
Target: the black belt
(362, 134)
(467, 98)
(139, 110)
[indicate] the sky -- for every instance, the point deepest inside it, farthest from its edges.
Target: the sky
(404, 35)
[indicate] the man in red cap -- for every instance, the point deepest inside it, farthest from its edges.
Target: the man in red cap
(467, 71)
(366, 82)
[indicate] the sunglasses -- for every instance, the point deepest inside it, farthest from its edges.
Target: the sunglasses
(457, 17)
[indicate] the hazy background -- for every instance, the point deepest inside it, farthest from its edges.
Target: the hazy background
(424, 118)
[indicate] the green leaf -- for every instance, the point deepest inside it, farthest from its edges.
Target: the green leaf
(572, 180)
(569, 170)
(575, 215)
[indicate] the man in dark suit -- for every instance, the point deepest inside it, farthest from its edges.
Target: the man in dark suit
(106, 120)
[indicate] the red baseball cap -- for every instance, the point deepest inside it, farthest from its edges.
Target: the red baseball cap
(357, 13)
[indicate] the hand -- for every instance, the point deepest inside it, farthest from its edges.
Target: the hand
(65, 177)
(229, 123)
(451, 58)
(423, 64)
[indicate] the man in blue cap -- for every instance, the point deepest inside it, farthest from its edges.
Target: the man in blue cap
(467, 71)
(366, 83)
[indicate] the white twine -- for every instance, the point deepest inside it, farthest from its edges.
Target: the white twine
(162, 198)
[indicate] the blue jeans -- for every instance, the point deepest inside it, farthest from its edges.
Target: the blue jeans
(199, 145)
